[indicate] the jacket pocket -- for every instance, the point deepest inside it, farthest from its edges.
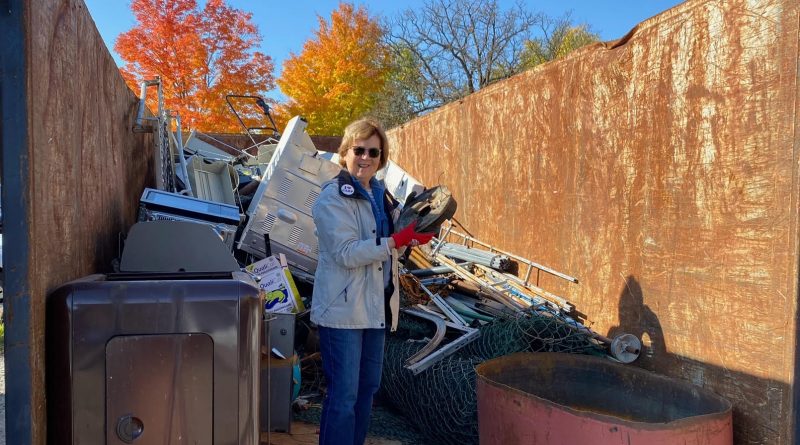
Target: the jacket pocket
(329, 286)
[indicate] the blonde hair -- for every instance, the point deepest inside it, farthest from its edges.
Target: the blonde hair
(364, 128)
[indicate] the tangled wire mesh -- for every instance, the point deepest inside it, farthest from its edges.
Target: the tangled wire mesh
(441, 401)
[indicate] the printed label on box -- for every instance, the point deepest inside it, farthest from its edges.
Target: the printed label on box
(272, 283)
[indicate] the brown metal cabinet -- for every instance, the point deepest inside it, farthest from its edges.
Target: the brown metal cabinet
(154, 359)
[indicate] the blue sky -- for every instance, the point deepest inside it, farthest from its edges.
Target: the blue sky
(286, 25)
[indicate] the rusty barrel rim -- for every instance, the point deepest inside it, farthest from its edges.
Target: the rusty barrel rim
(488, 370)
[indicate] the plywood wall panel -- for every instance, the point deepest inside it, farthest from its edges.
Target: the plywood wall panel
(86, 169)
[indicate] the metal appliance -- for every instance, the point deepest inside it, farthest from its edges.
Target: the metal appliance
(175, 246)
(398, 182)
(276, 374)
(158, 205)
(281, 206)
(154, 358)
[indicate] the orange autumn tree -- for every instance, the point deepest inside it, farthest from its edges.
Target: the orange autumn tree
(200, 55)
(339, 74)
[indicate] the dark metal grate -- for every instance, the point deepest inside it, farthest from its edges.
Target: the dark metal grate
(283, 189)
(294, 236)
(266, 226)
(312, 198)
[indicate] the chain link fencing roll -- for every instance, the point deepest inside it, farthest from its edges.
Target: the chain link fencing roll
(441, 402)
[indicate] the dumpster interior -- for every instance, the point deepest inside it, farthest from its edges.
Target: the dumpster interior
(216, 210)
(635, 201)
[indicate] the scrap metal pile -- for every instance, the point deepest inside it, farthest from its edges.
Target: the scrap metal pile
(258, 204)
(462, 300)
(460, 308)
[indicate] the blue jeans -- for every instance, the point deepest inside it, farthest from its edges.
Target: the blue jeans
(352, 360)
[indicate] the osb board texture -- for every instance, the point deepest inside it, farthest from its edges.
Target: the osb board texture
(87, 169)
(660, 171)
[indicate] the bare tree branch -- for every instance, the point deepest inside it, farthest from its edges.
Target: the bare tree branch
(460, 46)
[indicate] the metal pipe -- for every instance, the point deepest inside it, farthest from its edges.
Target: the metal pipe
(179, 142)
(437, 270)
(138, 126)
(488, 290)
(515, 257)
(512, 283)
(435, 281)
(489, 259)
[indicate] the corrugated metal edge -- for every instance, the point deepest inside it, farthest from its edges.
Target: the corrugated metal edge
(14, 141)
(666, 14)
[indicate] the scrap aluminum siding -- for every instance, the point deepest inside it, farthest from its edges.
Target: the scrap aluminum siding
(281, 206)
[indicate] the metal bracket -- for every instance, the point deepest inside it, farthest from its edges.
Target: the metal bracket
(424, 361)
(441, 329)
(445, 308)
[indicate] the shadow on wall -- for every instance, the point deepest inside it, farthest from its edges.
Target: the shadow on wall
(760, 406)
(636, 318)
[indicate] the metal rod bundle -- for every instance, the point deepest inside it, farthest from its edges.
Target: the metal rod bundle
(477, 256)
(437, 270)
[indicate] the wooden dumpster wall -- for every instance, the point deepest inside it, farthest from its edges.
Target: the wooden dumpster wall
(659, 170)
(85, 168)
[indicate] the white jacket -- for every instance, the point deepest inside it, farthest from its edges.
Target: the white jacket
(348, 284)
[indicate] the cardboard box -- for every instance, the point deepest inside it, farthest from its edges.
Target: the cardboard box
(277, 285)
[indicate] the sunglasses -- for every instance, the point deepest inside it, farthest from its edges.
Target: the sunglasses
(373, 152)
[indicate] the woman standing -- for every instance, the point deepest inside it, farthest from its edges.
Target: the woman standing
(356, 281)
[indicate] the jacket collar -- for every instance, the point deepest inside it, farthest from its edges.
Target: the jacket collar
(344, 180)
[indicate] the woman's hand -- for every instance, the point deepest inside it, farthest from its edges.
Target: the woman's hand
(410, 237)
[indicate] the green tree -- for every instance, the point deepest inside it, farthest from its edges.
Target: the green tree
(403, 92)
(559, 38)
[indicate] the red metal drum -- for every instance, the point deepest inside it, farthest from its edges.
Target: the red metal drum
(568, 399)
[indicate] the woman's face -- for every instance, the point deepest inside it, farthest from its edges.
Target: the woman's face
(363, 167)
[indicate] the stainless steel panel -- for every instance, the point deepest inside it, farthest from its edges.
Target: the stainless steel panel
(159, 389)
(276, 373)
(291, 232)
(84, 315)
(276, 405)
(175, 246)
(281, 207)
(281, 333)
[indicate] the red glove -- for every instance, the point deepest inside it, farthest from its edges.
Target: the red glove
(405, 236)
